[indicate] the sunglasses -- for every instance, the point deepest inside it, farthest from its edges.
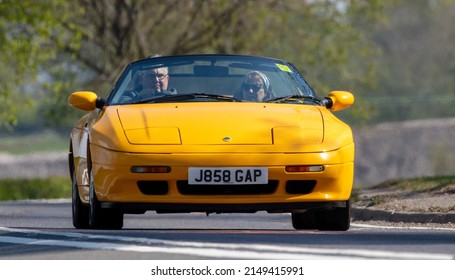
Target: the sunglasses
(254, 87)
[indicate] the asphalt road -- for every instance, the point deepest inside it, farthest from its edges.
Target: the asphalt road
(42, 230)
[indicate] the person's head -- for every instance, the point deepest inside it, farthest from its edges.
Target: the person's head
(255, 86)
(157, 79)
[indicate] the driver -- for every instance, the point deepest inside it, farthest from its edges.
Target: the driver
(154, 82)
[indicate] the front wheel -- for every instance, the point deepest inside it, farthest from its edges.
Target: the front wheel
(304, 220)
(80, 211)
(336, 219)
(100, 218)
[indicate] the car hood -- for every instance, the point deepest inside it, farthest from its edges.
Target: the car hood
(221, 124)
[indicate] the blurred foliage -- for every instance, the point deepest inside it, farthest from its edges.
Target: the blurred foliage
(416, 68)
(56, 47)
(45, 140)
(393, 55)
(47, 188)
(30, 32)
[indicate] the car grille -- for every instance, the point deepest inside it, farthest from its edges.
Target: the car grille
(185, 188)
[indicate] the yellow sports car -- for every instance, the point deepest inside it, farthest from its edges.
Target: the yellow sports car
(214, 134)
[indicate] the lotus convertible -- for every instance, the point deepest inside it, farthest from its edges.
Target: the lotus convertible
(211, 134)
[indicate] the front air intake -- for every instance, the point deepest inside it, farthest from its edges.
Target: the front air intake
(153, 187)
(300, 186)
(185, 188)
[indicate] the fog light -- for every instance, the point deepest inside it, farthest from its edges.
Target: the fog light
(304, 168)
(150, 169)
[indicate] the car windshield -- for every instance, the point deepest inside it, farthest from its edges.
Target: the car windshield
(211, 78)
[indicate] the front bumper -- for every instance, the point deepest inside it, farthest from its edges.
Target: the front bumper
(117, 186)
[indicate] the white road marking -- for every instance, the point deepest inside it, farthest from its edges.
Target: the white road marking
(213, 250)
(402, 227)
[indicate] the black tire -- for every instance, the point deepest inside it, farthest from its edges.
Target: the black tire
(80, 211)
(337, 219)
(304, 220)
(95, 211)
(100, 218)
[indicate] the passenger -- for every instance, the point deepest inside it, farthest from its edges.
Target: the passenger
(255, 87)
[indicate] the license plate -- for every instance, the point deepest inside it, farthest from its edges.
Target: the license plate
(227, 175)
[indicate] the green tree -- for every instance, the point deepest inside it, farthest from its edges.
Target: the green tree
(29, 31)
(97, 38)
(417, 62)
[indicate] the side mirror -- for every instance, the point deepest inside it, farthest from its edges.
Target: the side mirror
(86, 100)
(338, 100)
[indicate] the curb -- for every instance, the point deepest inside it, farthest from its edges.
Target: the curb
(363, 214)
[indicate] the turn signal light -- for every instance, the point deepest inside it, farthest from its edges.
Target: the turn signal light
(150, 169)
(304, 168)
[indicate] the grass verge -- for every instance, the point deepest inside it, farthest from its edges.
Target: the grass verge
(45, 141)
(46, 188)
(436, 184)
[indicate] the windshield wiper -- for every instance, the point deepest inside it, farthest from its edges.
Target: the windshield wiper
(293, 97)
(188, 96)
